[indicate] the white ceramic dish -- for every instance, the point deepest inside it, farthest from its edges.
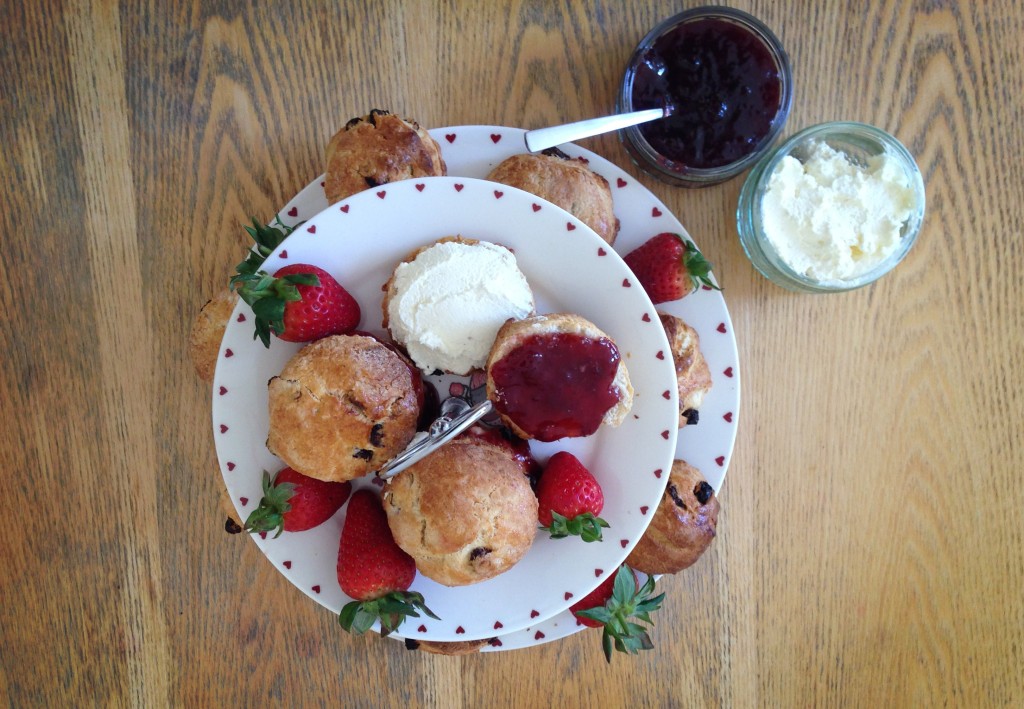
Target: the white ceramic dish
(307, 559)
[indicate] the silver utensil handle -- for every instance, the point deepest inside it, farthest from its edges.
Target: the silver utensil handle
(543, 138)
(456, 416)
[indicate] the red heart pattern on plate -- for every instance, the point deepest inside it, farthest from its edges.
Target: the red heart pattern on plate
(620, 182)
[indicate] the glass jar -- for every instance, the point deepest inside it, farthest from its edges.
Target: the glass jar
(859, 144)
(729, 84)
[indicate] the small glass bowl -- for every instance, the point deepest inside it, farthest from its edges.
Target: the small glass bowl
(859, 142)
(646, 157)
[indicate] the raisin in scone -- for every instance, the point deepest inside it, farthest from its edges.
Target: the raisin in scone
(557, 376)
(342, 407)
(378, 148)
(683, 527)
(465, 513)
(566, 182)
(693, 377)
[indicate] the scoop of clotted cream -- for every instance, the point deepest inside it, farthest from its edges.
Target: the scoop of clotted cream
(831, 219)
(447, 304)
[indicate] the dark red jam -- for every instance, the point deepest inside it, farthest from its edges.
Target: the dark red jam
(724, 85)
(557, 385)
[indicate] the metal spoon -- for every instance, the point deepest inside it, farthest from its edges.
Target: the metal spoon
(543, 138)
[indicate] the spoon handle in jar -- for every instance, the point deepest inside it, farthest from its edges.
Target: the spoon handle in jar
(543, 138)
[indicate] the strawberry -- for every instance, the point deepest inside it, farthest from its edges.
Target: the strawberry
(669, 267)
(374, 571)
(293, 502)
(613, 604)
(570, 499)
(299, 303)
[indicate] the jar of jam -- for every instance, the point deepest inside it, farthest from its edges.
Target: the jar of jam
(729, 85)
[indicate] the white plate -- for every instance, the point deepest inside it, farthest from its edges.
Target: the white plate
(307, 558)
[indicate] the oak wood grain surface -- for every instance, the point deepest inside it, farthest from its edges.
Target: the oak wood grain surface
(870, 546)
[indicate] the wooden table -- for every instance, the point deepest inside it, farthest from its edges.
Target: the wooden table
(870, 547)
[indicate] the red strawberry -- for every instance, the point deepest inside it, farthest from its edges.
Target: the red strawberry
(616, 604)
(570, 499)
(373, 570)
(669, 267)
(299, 303)
(293, 502)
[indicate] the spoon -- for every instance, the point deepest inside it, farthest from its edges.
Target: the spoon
(543, 138)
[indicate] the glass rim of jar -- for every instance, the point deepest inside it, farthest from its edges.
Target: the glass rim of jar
(657, 164)
(749, 223)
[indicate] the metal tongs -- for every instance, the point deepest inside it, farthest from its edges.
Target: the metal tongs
(457, 415)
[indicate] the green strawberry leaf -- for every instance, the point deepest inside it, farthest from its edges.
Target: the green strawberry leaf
(587, 526)
(698, 267)
(626, 604)
(390, 609)
(269, 514)
(267, 296)
(265, 238)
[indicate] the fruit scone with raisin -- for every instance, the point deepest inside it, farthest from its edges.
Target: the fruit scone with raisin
(693, 376)
(566, 182)
(376, 149)
(683, 526)
(343, 406)
(465, 512)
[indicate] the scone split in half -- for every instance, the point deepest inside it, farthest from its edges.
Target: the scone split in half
(557, 376)
(445, 302)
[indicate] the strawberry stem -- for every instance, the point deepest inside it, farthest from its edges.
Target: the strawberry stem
(265, 238)
(697, 267)
(269, 515)
(391, 610)
(587, 526)
(616, 615)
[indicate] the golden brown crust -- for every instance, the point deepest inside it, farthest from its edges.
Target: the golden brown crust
(693, 376)
(683, 527)
(566, 182)
(208, 331)
(376, 149)
(515, 332)
(464, 647)
(342, 407)
(465, 513)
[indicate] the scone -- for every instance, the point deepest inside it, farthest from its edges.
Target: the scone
(693, 376)
(513, 445)
(465, 513)
(683, 525)
(342, 407)
(208, 331)
(557, 376)
(463, 647)
(566, 182)
(376, 149)
(445, 302)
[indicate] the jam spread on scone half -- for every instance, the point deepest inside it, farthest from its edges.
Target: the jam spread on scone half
(557, 376)
(558, 385)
